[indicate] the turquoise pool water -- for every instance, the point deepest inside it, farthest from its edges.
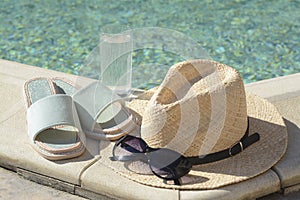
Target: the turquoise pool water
(260, 38)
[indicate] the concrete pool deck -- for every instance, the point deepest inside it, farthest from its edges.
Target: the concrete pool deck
(87, 176)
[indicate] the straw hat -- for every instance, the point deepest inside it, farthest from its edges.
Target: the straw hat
(201, 108)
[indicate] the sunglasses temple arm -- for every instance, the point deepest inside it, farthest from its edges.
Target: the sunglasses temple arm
(177, 182)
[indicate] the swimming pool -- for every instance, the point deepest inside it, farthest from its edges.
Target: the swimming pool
(259, 38)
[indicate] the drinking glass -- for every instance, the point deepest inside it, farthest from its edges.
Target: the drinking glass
(116, 46)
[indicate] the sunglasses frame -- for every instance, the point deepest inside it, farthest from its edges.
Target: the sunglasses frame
(145, 155)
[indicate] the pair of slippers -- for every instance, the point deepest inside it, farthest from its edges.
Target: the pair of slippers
(60, 116)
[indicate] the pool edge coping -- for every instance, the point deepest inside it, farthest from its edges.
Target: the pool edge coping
(271, 89)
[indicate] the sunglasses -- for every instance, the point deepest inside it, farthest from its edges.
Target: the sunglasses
(168, 164)
(164, 163)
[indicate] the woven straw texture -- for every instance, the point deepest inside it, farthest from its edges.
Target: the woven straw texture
(199, 108)
(256, 159)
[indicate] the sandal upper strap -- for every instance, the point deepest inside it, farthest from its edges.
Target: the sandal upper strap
(51, 111)
(91, 101)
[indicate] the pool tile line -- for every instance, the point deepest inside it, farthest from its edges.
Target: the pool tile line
(59, 184)
(47, 181)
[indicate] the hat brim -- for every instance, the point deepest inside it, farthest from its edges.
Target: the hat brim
(264, 118)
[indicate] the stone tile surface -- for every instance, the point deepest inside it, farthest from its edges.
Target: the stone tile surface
(13, 187)
(276, 89)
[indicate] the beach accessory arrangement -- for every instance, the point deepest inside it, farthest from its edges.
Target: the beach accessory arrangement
(200, 110)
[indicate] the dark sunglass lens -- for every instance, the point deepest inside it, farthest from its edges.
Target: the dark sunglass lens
(168, 164)
(127, 147)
